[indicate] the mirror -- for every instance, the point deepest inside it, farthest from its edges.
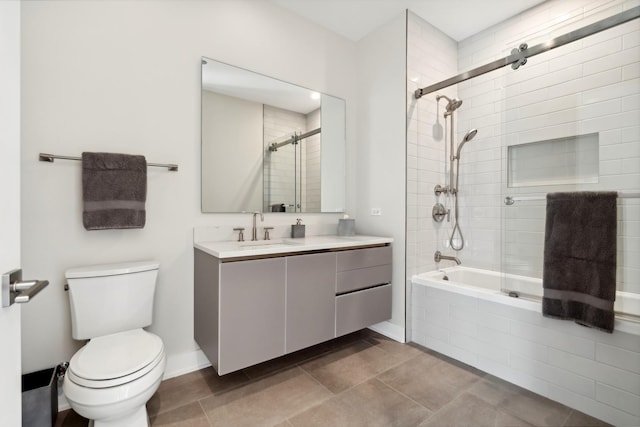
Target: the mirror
(269, 145)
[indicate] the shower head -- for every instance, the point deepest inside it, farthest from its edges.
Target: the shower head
(452, 105)
(467, 137)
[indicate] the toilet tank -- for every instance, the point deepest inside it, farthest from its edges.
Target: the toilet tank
(110, 298)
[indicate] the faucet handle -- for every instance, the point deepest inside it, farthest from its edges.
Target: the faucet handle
(240, 234)
(266, 232)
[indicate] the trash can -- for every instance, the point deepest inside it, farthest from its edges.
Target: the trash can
(40, 398)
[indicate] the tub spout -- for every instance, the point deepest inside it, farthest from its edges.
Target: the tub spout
(439, 257)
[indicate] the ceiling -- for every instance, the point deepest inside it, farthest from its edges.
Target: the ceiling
(458, 19)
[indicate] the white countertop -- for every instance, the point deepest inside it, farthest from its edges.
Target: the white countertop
(280, 246)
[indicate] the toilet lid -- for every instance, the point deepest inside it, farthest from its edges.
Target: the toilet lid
(117, 355)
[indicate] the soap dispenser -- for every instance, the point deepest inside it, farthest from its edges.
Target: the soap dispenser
(297, 229)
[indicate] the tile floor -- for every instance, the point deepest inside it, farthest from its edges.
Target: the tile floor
(362, 379)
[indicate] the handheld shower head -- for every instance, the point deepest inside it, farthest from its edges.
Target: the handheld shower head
(467, 137)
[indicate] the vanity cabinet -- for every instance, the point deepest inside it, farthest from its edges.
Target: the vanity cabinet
(250, 310)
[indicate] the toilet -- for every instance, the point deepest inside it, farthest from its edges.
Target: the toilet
(111, 378)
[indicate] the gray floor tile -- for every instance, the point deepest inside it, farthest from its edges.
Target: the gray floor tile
(521, 403)
(369, 404)
(468, 410)
(179, 391)
(429, 380)
(362, 379)
(265, 402)
(402, 351)
(579, 419)
(190, 415)
(349, 366)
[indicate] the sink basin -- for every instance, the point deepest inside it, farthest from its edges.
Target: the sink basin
(266, 244)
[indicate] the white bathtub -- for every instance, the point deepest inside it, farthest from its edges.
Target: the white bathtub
(468, 318)
(627, 305)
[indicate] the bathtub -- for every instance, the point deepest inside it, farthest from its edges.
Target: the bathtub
(469, 318)
(487, 282)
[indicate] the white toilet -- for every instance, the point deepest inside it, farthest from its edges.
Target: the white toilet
(111, 378)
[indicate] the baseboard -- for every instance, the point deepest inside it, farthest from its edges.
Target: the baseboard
(177, 364)
(183, 363)
(390, 330)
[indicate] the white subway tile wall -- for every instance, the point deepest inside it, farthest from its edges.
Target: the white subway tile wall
(588, 87)
(293, 168)
(432, 57)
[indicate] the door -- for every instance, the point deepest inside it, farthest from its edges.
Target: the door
(10, 353)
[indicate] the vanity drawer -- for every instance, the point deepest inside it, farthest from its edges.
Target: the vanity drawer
(363, 268)
(358, 310)
(362, 278)
(363, 258)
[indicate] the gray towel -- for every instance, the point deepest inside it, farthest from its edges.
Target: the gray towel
(114, 191)
(579, 277)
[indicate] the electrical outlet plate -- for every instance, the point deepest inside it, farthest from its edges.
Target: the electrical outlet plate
(376, 211)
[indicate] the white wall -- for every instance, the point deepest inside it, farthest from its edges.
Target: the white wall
(231, 129)
(381, 155)
(125, 77)
(330, 156)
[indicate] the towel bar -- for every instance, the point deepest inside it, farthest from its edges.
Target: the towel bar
(44, 157)
(510, 200)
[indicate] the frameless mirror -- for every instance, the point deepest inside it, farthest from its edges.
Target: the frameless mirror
(269, 145)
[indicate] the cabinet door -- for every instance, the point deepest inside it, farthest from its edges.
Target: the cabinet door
(252, 312)
(311, 284)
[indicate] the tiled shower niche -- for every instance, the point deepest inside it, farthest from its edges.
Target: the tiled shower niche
(571, 160)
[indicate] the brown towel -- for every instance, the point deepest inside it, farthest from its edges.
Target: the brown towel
(579, 277)
(114, 191)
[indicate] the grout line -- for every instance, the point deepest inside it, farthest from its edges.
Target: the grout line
(206, 416)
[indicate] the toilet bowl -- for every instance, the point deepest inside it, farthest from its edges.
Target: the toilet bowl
(111, 378)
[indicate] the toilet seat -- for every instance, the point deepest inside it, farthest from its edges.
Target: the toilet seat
(115, 359)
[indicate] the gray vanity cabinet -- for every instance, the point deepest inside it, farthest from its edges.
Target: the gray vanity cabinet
(247, 311)
(311, 284)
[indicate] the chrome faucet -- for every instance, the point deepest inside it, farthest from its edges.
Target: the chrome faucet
(254, 230)
(439, 257)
